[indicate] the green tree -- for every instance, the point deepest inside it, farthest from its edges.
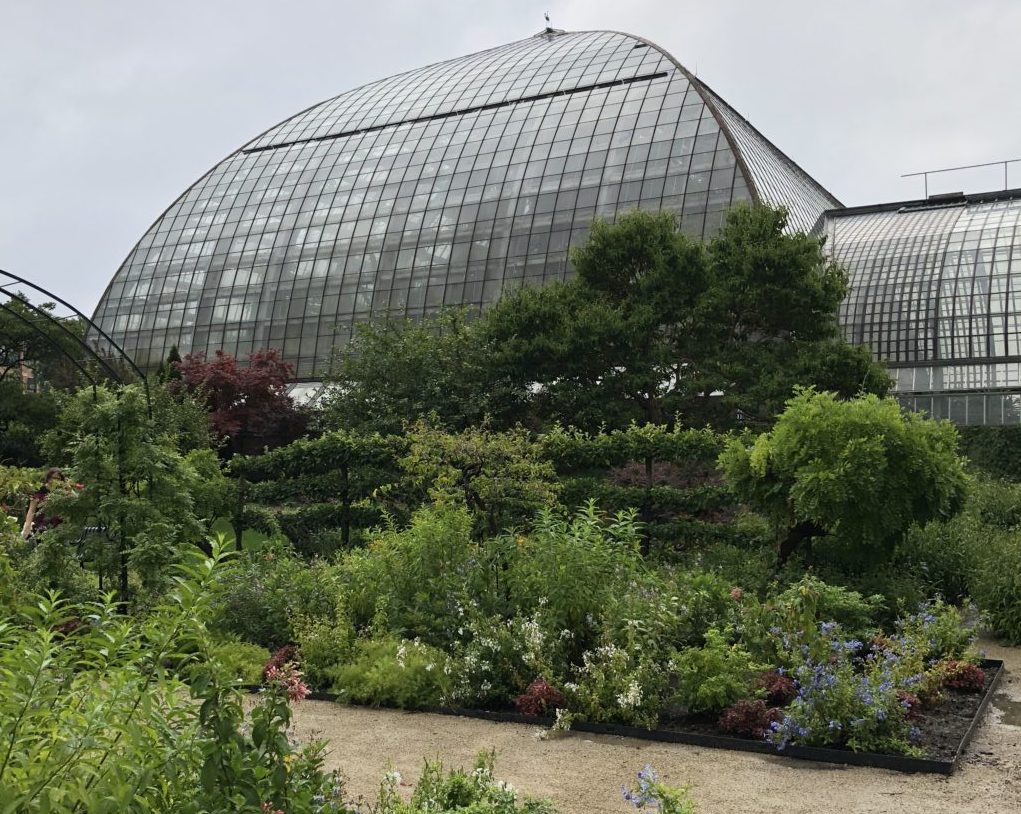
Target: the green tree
(145, 498)
(602, 348)
(858, 473)
(24, 417)
(397, 372)
(656, 324)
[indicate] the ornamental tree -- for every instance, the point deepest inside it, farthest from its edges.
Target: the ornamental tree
(249, 408)
(859, 472)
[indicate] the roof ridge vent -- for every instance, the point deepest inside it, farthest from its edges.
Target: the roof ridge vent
(549, 33)
(945, 197)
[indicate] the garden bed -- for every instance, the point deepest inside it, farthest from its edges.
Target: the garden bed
(946, 731)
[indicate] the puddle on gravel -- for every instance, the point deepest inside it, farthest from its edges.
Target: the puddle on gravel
(1010, 710)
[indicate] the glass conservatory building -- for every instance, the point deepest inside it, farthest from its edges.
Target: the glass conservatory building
(442, 186)
(450, 184)
(936, 293)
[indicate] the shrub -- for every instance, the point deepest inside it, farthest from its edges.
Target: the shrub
(392, 672)
(811, 601)
(850, 695)
(323, 643)
(996, 503)
(997, 587)
(240, 659)
(751, 567)
(502, 478)
(259, 593)
(493, 658)
(944, 555)
(779, 688)
(962, 675)
(859, 472)
(616, 684)
(541, 698)
(96, 718)
(410, 582)
(749, 718)
(572, 566)
(938, 630)
(712, 677)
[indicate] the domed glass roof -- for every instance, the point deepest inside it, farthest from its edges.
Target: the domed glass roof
(935, 291)
(441, 186)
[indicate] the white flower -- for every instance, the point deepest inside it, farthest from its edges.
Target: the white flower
(402, 652)
(631, 697)
(429, 667)
(394, 777)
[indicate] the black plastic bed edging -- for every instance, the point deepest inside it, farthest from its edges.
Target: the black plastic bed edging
(897, 763)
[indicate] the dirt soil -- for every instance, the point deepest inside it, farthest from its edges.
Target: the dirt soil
(583, 773)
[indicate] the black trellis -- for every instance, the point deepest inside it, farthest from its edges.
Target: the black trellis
(110, 370)
(63, 339)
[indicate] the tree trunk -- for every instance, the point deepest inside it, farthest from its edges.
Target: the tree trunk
(797, 535)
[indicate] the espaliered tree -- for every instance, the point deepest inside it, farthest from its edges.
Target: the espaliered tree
(856, 474)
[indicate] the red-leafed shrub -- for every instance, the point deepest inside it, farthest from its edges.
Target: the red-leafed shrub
(963, 676)
(749, 719)
(288, 654)
(540, 698)
(248, 405)
(780, 689)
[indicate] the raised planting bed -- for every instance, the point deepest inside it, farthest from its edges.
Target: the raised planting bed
(945, 731)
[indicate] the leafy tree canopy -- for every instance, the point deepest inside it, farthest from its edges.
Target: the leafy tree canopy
(394, 373)
(657, 324)
(858, 472)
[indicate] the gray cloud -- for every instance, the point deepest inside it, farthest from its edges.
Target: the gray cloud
(111, 108)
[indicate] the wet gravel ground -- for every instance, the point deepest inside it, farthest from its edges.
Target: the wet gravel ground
(583, 773)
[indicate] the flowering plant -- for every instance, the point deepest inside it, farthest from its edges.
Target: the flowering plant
(618, 684)
(459, 790)
(649, 794)
(396, 672)
(848, 697)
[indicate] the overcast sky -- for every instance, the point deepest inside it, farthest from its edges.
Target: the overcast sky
(110, 109)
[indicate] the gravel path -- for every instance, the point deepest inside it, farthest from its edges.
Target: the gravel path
(583, 773)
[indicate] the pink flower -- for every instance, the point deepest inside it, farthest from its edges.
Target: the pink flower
(736, 594)
(287, 678)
